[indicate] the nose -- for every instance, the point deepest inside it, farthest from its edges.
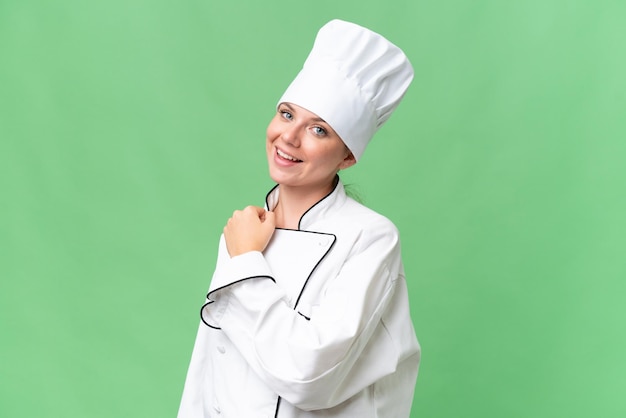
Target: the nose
(291, 135)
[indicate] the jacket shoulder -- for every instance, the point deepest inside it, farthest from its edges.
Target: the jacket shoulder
(357, 217)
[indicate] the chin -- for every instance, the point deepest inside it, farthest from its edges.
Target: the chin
(276, 177)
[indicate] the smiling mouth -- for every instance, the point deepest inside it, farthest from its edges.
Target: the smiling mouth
(286, 156)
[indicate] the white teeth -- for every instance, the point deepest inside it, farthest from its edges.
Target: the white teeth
(286, 156)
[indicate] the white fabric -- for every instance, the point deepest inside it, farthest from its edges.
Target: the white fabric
(353, 78)
(320, 319)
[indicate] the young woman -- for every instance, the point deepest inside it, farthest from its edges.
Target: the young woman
(307, 313)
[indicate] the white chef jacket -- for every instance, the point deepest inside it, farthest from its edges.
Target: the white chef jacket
(317, 325)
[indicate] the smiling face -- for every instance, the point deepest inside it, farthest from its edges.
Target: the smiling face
(303, 151)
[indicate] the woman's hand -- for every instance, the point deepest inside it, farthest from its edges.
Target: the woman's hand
(249, 230)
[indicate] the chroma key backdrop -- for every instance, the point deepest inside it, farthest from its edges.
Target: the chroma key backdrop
(130, 130)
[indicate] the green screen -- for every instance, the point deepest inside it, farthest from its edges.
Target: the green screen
(130, 130)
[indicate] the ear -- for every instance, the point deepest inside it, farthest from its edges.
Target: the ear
(347, 162)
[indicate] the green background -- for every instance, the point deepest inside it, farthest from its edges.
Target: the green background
(131, 129)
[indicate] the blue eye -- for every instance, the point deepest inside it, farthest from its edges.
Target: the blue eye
(319, 131)
(287, 115)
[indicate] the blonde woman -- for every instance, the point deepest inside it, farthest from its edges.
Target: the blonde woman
(307, 313)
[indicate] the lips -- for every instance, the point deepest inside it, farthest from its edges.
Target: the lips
(286, 156)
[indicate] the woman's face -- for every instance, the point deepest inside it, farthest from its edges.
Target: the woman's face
(303, 150)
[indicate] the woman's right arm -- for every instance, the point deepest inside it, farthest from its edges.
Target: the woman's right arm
(311, 363)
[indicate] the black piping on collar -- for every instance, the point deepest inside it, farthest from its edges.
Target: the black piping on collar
(335, 183)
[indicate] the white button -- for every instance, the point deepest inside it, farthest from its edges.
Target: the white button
(221, 349)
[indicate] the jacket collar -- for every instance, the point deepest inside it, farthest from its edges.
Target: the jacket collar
(320, 210)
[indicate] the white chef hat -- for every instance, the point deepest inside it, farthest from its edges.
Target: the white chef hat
(353, 78)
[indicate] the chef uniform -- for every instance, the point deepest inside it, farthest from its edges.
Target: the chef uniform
(318, 324)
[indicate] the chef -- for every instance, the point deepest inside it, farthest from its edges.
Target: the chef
(307, 313)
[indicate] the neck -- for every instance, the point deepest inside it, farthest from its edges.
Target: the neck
(293, 202)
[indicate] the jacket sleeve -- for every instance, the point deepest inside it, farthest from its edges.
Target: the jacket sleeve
(316, 363)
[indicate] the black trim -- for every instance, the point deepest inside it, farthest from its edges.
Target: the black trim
(335, 183)
(304, 231)
(202, 317)
(277, 407)
(210, 301)
(304, 316)
(332, 244)
(238, 281)
(267, 196)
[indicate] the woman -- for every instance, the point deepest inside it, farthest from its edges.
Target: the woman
(307, 313)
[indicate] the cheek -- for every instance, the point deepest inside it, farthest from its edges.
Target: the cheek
(268, 133)
(334, 155)
(272, 130)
